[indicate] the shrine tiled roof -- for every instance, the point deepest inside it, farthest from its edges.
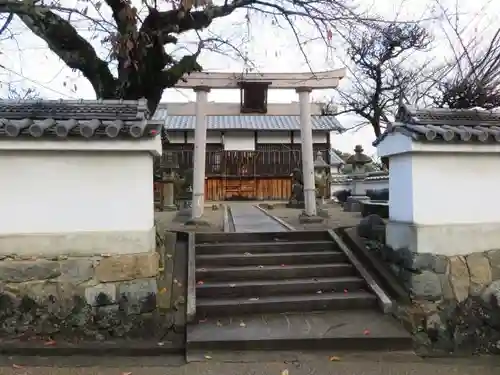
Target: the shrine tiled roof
(446, 125)
(90, 119)
(248, 122)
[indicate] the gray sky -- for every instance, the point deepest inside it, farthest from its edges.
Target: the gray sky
(30, 64)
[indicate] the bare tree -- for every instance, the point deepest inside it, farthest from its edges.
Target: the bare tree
(380, 76)
(472, 77)
(140, 38)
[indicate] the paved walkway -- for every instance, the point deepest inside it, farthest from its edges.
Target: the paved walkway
(248, 218)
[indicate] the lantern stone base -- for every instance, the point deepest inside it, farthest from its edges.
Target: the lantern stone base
(353, 203)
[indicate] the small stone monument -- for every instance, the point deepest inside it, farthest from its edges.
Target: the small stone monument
(358, 162)
(320, 178)
(185, 197)
(168, 166)
(297, 198)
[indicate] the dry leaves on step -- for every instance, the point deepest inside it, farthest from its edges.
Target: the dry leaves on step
(334, 359)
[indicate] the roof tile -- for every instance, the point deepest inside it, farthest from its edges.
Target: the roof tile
(247, 122)
(76, 118)
(446, 125)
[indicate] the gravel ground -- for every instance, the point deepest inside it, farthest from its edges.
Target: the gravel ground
(338, 218)
(167, 221)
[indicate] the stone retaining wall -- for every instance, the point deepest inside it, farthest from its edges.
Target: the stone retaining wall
(455, 300)
(79, 297)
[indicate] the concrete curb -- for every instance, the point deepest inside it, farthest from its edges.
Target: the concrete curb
(128, 348)
(191, 280)
(384, 300)
(277, 219)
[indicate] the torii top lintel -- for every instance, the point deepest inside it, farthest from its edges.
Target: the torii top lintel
(220, 80)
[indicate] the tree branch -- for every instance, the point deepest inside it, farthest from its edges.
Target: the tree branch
(63, 39)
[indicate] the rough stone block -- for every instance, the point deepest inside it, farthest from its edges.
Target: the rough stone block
(76, 270)
(100, 294)
(426, 285)
(28, 270)
(140, 294)
(479, 272)
(459, 278)
(127, 267)
(430, 262)
(494, 258)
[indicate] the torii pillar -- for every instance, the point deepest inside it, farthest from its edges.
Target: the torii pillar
(310, 213)
(200, 141)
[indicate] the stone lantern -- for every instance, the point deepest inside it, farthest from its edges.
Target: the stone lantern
(169, 166)
(358, 193)
(321, 175)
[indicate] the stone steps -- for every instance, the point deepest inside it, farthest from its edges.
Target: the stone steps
(269, 276)
(254, 288)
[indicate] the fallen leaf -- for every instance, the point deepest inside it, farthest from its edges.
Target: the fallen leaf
(366, 332)
(282, 265)
(50, 343)
(260, 266)
(247, 254)
(126, 373)
(161, 343)
(162, 290)
(161, 269)
(17, 366)
(242, 324)
(232, 285)
(175, 281)
(200, 282)
(334, 359)
(345, 291)
(284, 372)
(169, 256)
(219, 324)
(208, 357)
(319, 292)
(253, 299)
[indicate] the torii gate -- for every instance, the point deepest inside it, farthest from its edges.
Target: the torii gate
(302, 83)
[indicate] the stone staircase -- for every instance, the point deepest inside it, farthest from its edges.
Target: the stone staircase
(286, 290)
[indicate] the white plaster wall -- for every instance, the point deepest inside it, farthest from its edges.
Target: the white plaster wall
(401, 188)
(364, 185)
(176, 137)
(213, 136)
(374, 184)
(239, 141)
(274, 137)
(442, 196)
(87, 201)
(455, 188)
(320, 137)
